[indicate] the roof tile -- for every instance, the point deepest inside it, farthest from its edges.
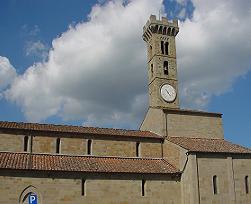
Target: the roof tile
(208, 145)
(76, 129)
(46, 162)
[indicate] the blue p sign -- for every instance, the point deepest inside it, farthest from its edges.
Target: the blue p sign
(32, 199)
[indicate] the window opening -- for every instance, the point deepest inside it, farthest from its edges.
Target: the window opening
(83, 187)
(143, 187)
(215, 189)
(166, 48)
(151, 50)
(89, 147)
(164, 31)
(162, 47)
(58, 145)
(137, 149)
(166, 67)
(26, 140)
(246, 185)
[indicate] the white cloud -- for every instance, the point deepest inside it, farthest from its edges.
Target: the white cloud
(37, 49)
(7, 73)
(96, 70)
(213, 49)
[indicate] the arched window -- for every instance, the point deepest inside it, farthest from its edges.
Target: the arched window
(173, 32)
(156, 29)
(166, 67)
(160, 30)
(89, 147)
(58, 145)
(169, 31)
(166, 48)
(215, 187)
(246, 185)
(27, 192)
(26, 141)
(164, 31)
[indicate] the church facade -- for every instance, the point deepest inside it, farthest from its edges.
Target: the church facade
(176, 157)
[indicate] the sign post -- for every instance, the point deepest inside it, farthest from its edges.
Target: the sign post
(32, 199)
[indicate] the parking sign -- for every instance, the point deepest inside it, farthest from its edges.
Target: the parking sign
(32, 199)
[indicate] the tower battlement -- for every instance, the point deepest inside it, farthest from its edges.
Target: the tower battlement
(163, 27)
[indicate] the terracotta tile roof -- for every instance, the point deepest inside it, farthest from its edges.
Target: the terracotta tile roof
(208, 145)
(35, 127)
(46, 162)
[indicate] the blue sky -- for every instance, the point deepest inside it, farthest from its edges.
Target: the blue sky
(213, 76)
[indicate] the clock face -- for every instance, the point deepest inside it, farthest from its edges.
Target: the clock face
(168, 93)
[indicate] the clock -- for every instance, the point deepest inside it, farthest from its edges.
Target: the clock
(168, 93)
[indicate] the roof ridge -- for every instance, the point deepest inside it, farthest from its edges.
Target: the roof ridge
(79, 126)
(196, 138)
(55, 128)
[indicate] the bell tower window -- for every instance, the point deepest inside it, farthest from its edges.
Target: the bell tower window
(166, 48)
(162, 47)
(166, 67)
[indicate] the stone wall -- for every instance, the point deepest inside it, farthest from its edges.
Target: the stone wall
(73, 146)
(148, 149)
(189, 182)
(230, 172)
(180, 123)
(154, 121)
(113, 148)
(242, 168)
(69, 191)
(194, 125)
(13, 143)
(215, 166)
(78, 146)
(44, 144)
(175, 154)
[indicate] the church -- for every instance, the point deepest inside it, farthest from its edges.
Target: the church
(177, 156)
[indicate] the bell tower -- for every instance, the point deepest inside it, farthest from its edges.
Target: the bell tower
(161, 62)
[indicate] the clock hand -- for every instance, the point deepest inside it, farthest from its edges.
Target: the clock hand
(168, 93)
